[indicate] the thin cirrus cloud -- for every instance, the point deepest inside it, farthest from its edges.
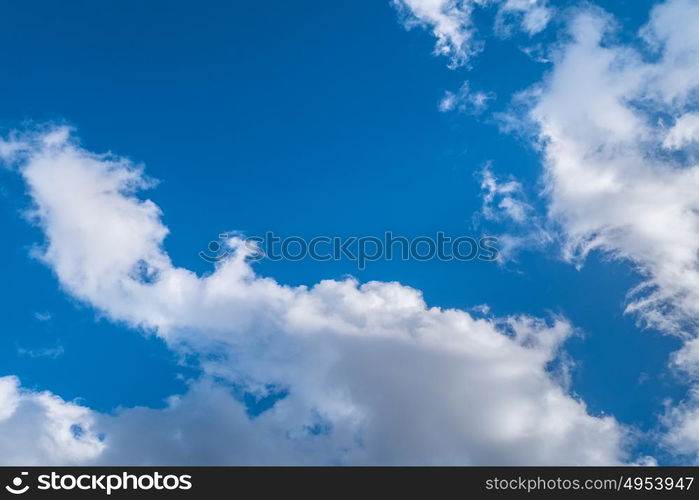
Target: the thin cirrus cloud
(505, 202)
(360, 373)
(451, 22)
(466, 100)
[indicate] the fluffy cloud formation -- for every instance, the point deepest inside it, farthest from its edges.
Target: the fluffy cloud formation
(40, 428)
(611, 184)
(684, 132)
(452, 25)
(616, 124)
(360, 373)
(682, 422)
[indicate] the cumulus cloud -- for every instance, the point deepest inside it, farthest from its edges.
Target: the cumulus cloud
(682, 423)
(611, 181)
(358, 373)
(451, 22)
(685, 131)
(39, 428)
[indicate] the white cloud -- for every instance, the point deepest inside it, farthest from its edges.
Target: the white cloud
(40, 428)
(684, 132)
(611, 183)
(682, 422)
(390, 379)
(452, 24)
(505, 201)
(42, 316)
(533, 15)
(44, 352)
(466, 100)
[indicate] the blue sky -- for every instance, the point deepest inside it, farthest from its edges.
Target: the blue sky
(304, 118)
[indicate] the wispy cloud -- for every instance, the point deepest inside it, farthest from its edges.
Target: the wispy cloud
(505, 203)
(42, 316)
(46, 352)
(451, 22)
(466, 100)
